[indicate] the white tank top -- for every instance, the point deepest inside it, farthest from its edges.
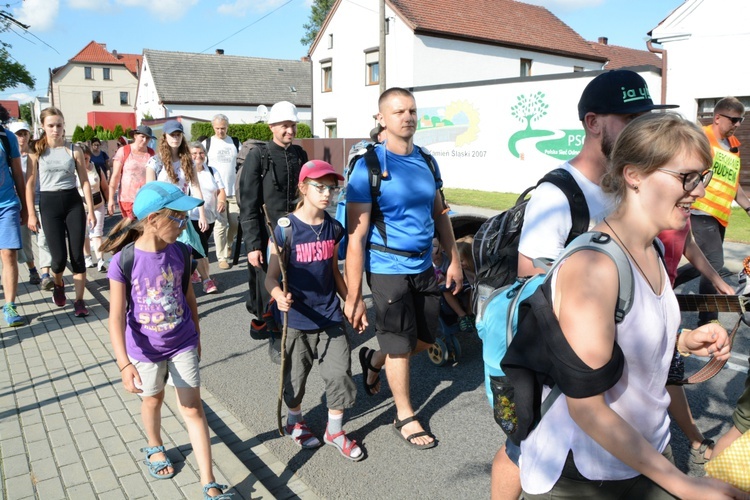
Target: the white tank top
(647, 338)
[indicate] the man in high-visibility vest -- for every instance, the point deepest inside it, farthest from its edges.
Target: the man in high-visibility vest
(710, 214)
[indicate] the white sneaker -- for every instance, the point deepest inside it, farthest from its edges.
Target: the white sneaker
(101, 267)
(90, 261)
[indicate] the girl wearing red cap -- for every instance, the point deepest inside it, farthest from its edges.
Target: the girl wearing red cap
(309, 240)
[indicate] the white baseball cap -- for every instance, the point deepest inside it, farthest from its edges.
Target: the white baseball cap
(283, 111)
(18, 126)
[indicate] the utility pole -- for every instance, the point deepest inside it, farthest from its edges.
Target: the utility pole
(381, 59)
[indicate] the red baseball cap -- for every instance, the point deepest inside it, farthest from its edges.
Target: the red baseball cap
(315, 169)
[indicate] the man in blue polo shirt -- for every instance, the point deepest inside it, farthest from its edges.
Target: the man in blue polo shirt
(12, 215)
(393, 245)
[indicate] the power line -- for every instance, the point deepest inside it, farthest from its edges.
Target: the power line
(246, 27)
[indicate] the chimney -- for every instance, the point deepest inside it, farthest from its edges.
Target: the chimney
(603, 40)
(114, 53)
(305, 59)
(219, 52)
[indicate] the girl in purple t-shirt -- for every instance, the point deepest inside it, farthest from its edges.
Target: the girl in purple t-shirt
(154, 326)
(315, 323)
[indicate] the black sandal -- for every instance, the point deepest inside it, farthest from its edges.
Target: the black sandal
(365, 360)
(398, 424)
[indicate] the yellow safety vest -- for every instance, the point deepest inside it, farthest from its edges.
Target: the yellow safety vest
(722, 189)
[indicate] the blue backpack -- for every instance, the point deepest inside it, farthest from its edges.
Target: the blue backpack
(497, 326)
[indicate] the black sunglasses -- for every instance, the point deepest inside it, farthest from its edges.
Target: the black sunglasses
(734, 119)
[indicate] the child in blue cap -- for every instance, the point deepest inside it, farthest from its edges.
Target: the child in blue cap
(153, 322)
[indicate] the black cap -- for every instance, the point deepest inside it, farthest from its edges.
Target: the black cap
(374, 133)
(144, 130)
(617, 92)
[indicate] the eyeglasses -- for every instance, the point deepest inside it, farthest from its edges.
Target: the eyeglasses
(321, 188)
(734, 119)
(199, 153)
(690, 180)
(181, 221)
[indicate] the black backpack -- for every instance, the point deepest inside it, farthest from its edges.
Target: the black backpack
(495, 246)
(375, 178)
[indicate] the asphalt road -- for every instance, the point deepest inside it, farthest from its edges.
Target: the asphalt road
(449, 400)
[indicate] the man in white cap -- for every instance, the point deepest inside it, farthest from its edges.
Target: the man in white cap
(269, 177)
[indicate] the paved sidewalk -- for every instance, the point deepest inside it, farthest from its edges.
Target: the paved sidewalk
(69, 430)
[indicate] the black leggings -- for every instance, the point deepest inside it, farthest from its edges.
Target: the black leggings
(63, 216)
(203, 237)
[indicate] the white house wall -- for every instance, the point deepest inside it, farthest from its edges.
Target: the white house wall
(505, 136)
(236, 114)
(411, 61)
(71, 92)
(440, 60)
(706, 44)
(148, 99)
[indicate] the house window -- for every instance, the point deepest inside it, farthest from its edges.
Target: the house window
(87, 73)
(372, 68)
(326, 75)
(525, 67)
(96, 97)
(577, 69)
(124, 98)
(330, 40)
(106, 73)
(330, 129)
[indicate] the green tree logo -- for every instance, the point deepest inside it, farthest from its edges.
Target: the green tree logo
(529, 109)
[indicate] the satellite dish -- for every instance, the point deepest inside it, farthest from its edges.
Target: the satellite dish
(262, 112)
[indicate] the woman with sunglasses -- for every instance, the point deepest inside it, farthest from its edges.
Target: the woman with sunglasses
(615, 443)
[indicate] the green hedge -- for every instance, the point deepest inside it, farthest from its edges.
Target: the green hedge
(246, 131)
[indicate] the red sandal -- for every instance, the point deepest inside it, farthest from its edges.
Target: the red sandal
(302, 436)
(347, 448)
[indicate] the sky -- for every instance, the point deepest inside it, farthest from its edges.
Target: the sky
(59, 29)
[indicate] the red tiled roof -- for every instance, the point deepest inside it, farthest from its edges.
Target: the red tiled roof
(624, 57)
(97, 53)
(501, 22)
(12, 107)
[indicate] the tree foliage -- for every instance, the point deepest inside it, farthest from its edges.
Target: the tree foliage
(26, 112)
(12, 73)
(318, 13)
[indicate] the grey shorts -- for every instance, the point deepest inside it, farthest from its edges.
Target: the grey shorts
(179, 371)
(331, 347)
(407, 307)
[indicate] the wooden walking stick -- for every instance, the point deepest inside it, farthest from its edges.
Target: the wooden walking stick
(281, 253)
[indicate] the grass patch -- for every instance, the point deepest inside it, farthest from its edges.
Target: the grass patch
(738, 230)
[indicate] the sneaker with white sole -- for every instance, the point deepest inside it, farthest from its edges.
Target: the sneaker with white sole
(101, 266)
(209, 286)
(195, 278)
(80, 309)
(58, 295)
(48, 283)
(90, 261)
(11, 315)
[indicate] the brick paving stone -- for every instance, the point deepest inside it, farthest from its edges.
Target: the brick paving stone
(165, 489)
(94, 459)
(130, 432)
(86, 441)
(51, 489)
(19, 487)
(66, 455)
(35, 432)
(40, 450)
(15, 466)
(60, 437)
(82, 492)
(50, 407)
(104, 479)
(112, 404)
(114, 446)
(97, 414)
(44, 469)
(122, 418)
(73, 474)
(123, 464)
(105, 429)
(30, 416)
(135, 486)
(55, 422)
(12, 447)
